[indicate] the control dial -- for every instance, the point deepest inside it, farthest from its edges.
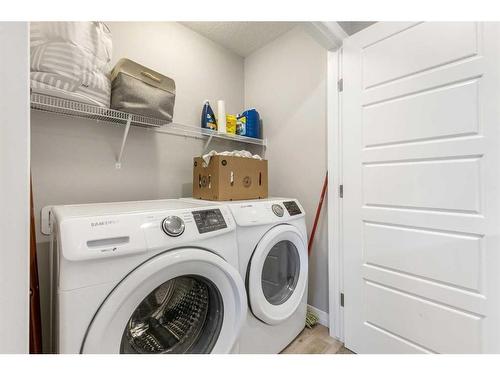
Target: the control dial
(173, 226)
(278, 210)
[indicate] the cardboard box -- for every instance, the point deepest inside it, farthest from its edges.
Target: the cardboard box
(229, 178)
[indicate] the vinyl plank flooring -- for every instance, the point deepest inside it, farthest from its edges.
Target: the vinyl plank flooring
(316, 340)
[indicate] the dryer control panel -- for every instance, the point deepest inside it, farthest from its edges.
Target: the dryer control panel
(209, 220)
(269, 211)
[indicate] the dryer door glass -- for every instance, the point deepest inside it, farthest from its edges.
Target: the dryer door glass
(280, 272)
(182, 315)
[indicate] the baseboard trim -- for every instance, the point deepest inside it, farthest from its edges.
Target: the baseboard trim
(323, 316)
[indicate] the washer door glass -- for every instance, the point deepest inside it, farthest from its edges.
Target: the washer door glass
(182, 315)
(280, 272)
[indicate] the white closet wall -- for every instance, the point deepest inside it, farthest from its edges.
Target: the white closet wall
(286, 81)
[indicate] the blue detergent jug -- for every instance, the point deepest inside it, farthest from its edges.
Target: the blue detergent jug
(248, 123)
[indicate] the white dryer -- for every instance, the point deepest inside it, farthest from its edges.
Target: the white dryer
(272, 245)
(146, 277)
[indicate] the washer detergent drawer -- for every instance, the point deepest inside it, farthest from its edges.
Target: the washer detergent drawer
(104, 236)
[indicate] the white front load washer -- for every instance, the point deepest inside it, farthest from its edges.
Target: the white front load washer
(272, 246)
(146, 277)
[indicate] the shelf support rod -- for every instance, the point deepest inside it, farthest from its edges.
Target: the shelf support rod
(118, 164)
(207, 143)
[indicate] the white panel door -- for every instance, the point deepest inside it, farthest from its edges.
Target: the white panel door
(421, 176)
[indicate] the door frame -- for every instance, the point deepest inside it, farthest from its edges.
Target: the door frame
(15, 188)
(334, 162)
(330, 35)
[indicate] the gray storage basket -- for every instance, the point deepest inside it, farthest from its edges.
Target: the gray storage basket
(137, 89)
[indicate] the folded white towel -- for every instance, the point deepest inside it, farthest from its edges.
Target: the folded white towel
(241, 153)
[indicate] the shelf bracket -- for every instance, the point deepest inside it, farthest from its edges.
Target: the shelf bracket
(207, 143)
(118, 164)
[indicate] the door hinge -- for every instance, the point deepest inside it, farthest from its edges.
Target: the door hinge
(340, 85)
(342, 299)
(341, 191)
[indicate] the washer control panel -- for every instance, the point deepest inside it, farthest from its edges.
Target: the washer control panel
(292, 208)
(209, 220)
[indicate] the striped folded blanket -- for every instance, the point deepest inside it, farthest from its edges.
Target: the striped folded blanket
(71, 60)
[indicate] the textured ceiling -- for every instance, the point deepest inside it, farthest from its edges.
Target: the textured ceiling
(241, 37)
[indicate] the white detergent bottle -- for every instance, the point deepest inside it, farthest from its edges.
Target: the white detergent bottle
(221, 116)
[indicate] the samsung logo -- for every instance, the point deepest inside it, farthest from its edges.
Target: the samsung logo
(102, 223)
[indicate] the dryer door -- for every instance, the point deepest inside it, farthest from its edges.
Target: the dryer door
(277, 274)
(181, 301)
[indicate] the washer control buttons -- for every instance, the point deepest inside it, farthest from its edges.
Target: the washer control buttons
(278, 210)
(173, 226)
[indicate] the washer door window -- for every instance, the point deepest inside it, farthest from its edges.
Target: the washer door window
(181, 301)
(277, 274)
(182, 315)
(280, 272)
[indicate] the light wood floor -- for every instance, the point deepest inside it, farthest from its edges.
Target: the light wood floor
(316, 340)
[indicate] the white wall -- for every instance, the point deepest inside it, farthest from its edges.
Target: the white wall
(286, 81)
(14, 188)
(73, 161)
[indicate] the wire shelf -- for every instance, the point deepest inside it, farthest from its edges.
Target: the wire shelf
(175, 128)
(71, 108)
(47, 103)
